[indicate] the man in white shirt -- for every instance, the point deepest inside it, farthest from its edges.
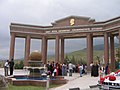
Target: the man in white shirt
(6, 65)
(70, 66)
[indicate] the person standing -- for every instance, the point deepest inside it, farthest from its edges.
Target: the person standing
(55, 70)
(107, 69)
(48, 66)
(95, 70)
(63, 69)
(91, 67)
(70, 66)
(6, 66)
(11, 66)
(80, 69)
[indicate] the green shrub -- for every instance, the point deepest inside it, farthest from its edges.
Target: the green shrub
(19, 65)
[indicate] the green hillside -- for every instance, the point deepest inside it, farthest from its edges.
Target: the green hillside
(101, 47)
(98, 53)
(82, 54)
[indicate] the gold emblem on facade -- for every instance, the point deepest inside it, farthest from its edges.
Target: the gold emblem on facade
(72, 22)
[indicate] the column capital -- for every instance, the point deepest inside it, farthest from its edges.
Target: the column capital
(105, 33)
(45, 37)
(111, 35)
(12, 34)
(28, 36)
(61, 37)
(57, 35)
(89, 34)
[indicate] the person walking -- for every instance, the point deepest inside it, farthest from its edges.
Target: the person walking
(6, 66)
(11, 66)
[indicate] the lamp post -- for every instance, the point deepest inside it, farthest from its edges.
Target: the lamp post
(47, 84)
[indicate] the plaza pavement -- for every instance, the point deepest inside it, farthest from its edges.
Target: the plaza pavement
(16, 72)
(73, 81)
(76, 81)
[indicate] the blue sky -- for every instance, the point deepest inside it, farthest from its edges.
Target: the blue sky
(43, 12)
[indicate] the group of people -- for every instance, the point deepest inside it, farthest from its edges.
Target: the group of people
(57, 69)
(80, 68)
(53, 69)
(9, 65)
(99, 70)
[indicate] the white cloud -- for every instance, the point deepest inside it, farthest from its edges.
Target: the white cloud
(43, 12)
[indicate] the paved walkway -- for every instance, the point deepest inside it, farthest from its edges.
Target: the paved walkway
(76, 81)
(73, 82)
(16, 72)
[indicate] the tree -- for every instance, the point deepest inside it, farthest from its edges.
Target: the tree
(82, 61)
(118, 54)
(19, 65)
(98, 58)
(66, 60)
(117, 58)
(73, 60)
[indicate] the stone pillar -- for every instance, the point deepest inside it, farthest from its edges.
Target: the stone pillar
(89, 50)
(27, 50)
(57, 49)
(44, 49)
(106, 48)
(119, 38)
(62, 50)
(112, 53)
(12, 46)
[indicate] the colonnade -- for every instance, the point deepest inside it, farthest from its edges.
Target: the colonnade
(43, 48)
(89, 39)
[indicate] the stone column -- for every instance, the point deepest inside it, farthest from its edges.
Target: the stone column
(89, 50)
(106, 48)
(27, 50)
(62, 50)
(44, 49)
(57, 49)
(112, 53)
(119, 38)
(12, 46)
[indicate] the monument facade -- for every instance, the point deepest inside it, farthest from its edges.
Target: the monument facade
(69, 27)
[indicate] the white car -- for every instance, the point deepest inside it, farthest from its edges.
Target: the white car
(110, 82)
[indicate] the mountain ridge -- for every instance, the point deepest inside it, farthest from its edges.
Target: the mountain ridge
(101, 46)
